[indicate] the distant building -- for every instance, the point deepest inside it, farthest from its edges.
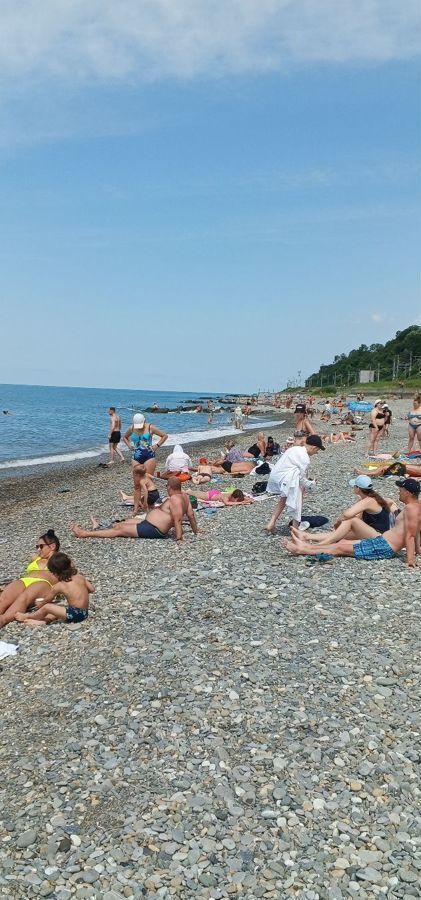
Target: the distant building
(366, 375)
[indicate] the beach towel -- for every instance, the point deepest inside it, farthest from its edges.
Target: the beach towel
(7, 649)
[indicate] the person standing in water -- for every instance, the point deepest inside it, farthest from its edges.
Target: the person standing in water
(114, 436)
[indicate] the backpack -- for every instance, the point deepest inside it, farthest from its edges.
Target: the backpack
(259, 487)
(263, 469)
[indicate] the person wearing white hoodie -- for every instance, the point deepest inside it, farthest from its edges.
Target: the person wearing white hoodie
(177, 463)
(288, 478)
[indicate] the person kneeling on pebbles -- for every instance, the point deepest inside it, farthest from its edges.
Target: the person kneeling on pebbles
(73, 587)
(405, 534)
(158, 522)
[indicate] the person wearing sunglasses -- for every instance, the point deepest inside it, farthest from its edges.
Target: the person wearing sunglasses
(34, 584)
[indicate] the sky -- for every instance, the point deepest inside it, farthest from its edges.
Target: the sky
(205, 194)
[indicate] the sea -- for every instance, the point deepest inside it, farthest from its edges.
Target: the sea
(53, 425)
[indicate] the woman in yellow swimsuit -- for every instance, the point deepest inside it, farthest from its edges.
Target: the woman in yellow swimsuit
(35, 583)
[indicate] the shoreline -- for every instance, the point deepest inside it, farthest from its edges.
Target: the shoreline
(68, 459)
(51, 482)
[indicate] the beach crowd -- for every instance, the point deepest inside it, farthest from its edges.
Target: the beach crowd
(165, 502)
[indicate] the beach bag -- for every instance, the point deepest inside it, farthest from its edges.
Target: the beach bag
(259, 487)
(263, 469)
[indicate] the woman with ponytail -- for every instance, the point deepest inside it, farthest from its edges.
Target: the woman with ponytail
(34, 584)
(370, 516)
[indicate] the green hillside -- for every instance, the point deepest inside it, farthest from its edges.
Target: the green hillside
(397, 361)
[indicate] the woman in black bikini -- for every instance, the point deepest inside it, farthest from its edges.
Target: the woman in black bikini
(376, 427)
(367, 518)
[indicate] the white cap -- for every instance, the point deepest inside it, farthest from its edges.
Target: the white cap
(378, 401)
(138, 420)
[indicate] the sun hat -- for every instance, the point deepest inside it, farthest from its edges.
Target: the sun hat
(410, 485)
(377, 401)
(138, 420)
(361, 481)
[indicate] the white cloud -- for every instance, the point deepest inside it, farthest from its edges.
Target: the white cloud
(80, 40)
(376, 317)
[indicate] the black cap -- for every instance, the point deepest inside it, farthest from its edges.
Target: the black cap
(300, 407)
(410, 485)
(314, 440)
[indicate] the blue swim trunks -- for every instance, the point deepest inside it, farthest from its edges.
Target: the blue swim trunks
(373, 548)
(74, 614)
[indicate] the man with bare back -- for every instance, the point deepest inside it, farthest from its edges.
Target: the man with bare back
(159, 520)
(406, 533)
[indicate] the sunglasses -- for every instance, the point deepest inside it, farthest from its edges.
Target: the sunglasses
(40, 546)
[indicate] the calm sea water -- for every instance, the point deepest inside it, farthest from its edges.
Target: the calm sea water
(58, 424)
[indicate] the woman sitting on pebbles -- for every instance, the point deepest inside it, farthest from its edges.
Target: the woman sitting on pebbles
(36, 582)
(73, 587)
(178, 463)
(370, 516)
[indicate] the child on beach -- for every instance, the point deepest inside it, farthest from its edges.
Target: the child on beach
(146, 494)
(74, 587)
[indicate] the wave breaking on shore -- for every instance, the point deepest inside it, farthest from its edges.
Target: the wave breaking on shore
(187, 437)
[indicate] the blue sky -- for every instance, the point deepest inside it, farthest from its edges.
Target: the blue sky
(205, 196)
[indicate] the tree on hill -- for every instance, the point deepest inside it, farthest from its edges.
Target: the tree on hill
(398, 359)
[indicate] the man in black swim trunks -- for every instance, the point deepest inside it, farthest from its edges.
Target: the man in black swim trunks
(114, 436)
(159, 520)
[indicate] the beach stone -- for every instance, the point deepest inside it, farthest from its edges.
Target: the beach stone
(26, 839)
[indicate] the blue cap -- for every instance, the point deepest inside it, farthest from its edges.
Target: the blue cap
(361, 481)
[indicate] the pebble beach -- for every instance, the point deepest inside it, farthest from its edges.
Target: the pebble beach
(229, 722)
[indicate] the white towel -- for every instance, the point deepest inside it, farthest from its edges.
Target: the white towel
(7, 649)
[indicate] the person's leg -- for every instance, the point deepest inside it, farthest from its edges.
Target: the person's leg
(112, 453)
(126, 529)
(118, 452)
(50, 612)
(126, 498)
(342, 548)
(10, 594)
(352, 529)
(150, 466)
(279, 508)
(412, 434)
(25, 599)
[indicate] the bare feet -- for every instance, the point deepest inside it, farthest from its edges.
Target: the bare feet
(290, 546)
(34, 623)
(270, 530)
(77, 530)
(20, 617)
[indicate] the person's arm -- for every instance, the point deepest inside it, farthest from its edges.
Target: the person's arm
(192, 519)
(411, 529)
(161, 434)
(177, 513)
(89, 586)
(356, 510)
(144, 496)
(127, 436)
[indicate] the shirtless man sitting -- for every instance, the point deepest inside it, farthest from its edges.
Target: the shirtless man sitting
(406, 533)
(158, 522)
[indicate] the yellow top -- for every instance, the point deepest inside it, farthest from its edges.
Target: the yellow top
(33, 565)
